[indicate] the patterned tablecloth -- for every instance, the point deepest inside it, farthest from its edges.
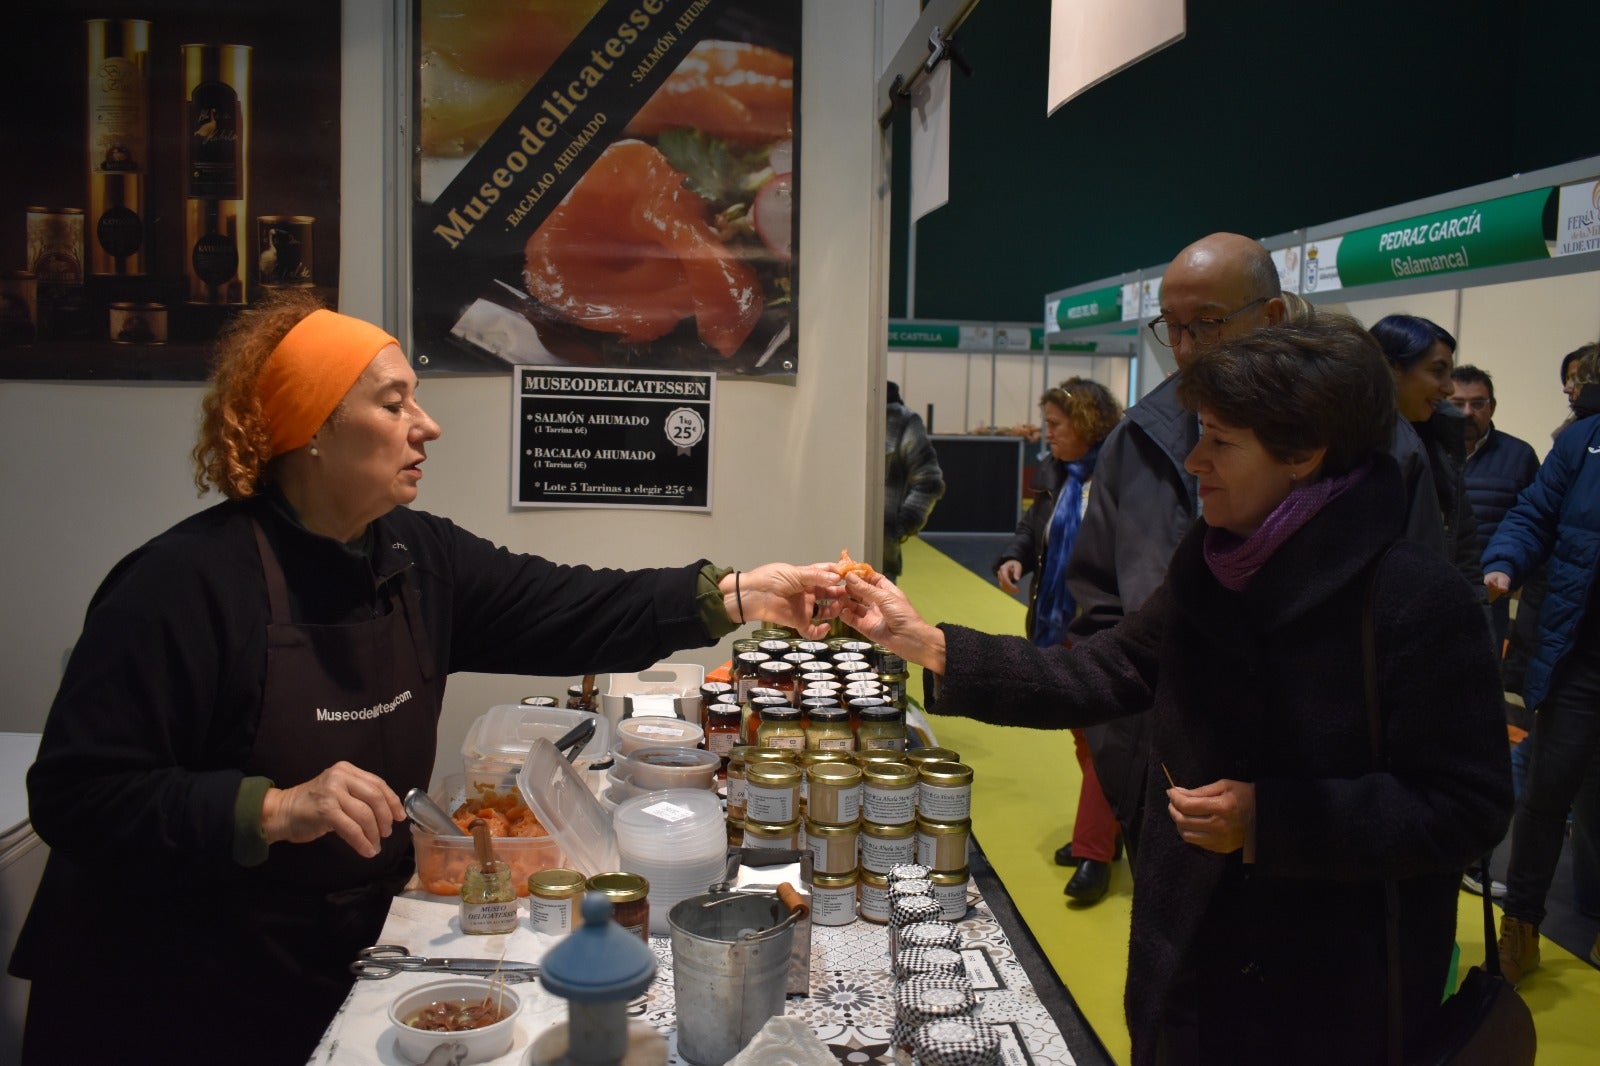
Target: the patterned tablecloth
(851, 1006)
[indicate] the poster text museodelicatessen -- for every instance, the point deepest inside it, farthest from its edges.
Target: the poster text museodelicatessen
(607, 184)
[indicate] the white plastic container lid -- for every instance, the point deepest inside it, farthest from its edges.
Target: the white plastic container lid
(566, 807)
(636, 733)
(504, 733)
(661, 821)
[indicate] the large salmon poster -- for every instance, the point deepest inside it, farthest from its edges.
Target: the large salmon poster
(607, 183)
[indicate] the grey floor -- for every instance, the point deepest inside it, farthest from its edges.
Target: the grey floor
(1564, 923)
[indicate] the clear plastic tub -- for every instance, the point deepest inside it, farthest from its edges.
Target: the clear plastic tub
(497, 743)
(567, 808)
(442, 860)
(652, 769)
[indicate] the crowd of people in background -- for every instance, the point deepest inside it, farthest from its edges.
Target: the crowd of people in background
(1108, 556)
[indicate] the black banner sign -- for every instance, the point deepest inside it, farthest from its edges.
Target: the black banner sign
(612, 438)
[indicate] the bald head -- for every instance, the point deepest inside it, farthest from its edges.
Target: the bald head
(1220, 275)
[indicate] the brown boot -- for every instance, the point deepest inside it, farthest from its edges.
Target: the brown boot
(1519, 948)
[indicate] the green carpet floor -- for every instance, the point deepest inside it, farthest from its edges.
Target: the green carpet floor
(1025, 795)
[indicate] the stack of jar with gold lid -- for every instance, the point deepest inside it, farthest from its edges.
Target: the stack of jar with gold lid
(832, 827)
(944, 826)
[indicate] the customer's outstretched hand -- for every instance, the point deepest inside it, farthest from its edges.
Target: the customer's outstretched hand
(879, 611)
(804, 598)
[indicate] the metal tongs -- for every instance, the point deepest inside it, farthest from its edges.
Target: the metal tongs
(573, 741)
(425, 812)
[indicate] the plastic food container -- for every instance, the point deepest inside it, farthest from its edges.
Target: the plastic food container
(566, 807)
(442, 860)
(652, 769)
(636, 734)
(497, 743)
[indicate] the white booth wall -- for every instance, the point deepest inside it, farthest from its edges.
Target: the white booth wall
(91, 470)
(971, 390)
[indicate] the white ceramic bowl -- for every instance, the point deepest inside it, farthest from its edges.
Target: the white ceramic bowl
(483, 1044)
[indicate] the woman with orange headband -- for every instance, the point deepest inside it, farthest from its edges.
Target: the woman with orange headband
(255, 688)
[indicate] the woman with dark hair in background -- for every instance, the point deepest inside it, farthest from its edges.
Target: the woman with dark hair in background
(1271, 824)
(1420, 354)
(1077, 415)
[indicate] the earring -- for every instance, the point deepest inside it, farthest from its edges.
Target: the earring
(314, 450)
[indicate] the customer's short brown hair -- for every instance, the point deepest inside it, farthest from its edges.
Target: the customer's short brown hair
(1320, 383)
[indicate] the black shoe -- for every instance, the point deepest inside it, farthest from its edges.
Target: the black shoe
(1091, 881)
(1065, 857)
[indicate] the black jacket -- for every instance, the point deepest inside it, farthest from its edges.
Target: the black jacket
(139, 766)
(1286, 954)
(1443, 437)
(1501, 468)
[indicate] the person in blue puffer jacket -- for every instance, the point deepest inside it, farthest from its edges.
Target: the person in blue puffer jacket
(1556, 521)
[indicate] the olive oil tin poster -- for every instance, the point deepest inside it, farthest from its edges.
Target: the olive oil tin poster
(607, 183)
(166, 163)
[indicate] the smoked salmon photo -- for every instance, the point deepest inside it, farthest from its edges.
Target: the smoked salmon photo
(671, 242)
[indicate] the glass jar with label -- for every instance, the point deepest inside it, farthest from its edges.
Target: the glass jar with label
(488, 898)
(845, 662)
(779, 675)
(833, 898)
(944, 791)
(825, 703)
(893, 676)
(771, 793)
(736, 767)
(759, 698)
(780, 728)
(709, 694)
(872, 896)
(817, 649)
(553, 900)
(889, 795)
(950, 889)
(630, 905)
(828, 729)
(833, 792)
(797, 659)
(775, 647)
(722, 732)
(917, 756)
(882, 728)
(885, 846)
(855, 690)
(784, 835)
(746, 667)
(833, 847)
(942, 846)
(538, 701)
(863, 677)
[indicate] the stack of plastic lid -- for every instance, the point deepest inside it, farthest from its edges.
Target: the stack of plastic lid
(677, 840)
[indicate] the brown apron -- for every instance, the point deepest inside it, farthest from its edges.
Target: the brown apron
(367, 693)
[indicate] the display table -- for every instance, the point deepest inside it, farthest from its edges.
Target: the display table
(851, 1006)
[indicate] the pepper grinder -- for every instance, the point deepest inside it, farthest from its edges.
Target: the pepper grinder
(598, 969)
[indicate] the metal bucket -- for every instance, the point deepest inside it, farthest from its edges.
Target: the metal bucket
(730, 961)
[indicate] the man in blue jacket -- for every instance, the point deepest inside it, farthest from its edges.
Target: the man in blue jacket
(1499, 467)
(1556, 522)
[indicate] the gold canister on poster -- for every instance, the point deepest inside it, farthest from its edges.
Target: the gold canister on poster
(134, 322)
(118, 142)
(283, 250)
(55, 245)
(216, 108)
(19, 307)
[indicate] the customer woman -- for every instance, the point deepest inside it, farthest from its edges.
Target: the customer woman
(1420, 354)
(1556, 521)
(1258, 931)
(219, 775)
(1076, 415)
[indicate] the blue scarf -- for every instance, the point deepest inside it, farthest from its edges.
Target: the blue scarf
(1054, 606)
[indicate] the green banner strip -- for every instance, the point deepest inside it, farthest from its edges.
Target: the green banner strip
(1090, 308)
(923, 335)
(1505, 230)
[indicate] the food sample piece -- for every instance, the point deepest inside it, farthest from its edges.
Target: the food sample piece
(847, 566)
(629, 252)
(741, 92)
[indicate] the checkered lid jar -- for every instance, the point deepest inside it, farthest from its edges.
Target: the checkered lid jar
(907, 871)
(909, 962)
(929, 997)
(956, 1042)
(908, 910)
(929, 935)
(910, 886)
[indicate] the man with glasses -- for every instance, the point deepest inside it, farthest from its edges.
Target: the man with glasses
(1143, 502)
(1499, 467)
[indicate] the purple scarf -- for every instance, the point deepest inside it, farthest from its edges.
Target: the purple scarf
(1234, 560)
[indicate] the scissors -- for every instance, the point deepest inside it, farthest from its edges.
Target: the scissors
(386, 960)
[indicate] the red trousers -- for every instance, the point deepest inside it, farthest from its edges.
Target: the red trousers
(1094, 831)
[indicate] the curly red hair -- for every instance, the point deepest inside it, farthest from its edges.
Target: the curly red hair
(234, 446)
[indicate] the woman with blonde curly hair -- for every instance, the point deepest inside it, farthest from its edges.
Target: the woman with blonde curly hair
(1078, 414)
(256, 687)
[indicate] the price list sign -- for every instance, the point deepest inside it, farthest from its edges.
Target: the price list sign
(611, 438)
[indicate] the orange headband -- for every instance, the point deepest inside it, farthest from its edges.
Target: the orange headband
(310, 371)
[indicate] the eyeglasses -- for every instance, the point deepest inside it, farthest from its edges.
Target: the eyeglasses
(1201, 330)
(1477, 403)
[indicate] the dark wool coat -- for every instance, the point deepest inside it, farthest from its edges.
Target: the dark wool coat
(1283, 959)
